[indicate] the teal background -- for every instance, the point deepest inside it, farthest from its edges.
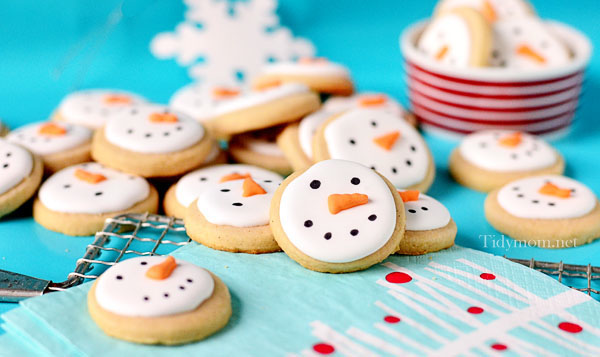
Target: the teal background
(50, 49)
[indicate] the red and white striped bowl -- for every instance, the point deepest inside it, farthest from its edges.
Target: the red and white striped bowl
(462, 100)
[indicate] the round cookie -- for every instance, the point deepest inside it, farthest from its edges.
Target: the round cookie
(271, 106)
(380, 141)
(337, 216)
(550, 211)
(461, 37)
(158, 300)
(58, 144)
(318, 74)
(20, 175)
(492, 10)
(152, 141)
(233, 215)
(78, 199)
(93, 107)
(203, 101)
(259, 148)
(189, 187)
(488, 159)
(429, 227)
(369, 100)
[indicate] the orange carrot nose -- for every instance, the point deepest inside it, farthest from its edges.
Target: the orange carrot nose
(410, 195)
(89, 177)
(372, 100)
(52, 129)
(312, 60)
(387, 141)
(117, 99)
(442, 53)
(488, 12)
(163, 118)
(525, 50)
(222, 92)
(551, 189)
(511, 140)
(340, 202)
(251, 188)
(235, 176)
(269, 85)
(163, 270)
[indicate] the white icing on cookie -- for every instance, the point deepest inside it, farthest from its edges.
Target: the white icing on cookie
(352, 137)
(124, 289)
(94, 107)
(49, 138)
(190, 186)
(522, 198)
(310, 67)
(349, 235)
(254, 98)
(425, 214)
(262, 146)
(148, 129)
(16, 164)
(492, 10)
(308, 127)
(203, 101)
(490, 150)
(447, 40)
(224, 204)
(66, 191)
(365, 100)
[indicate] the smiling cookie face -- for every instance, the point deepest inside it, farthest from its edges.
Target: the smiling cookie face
(338, 211)
(423, 212)
(153, 286)
(153, 129)
(203, 101)
(92, 108)
(380, 141)
(15, 165)
(49, 138)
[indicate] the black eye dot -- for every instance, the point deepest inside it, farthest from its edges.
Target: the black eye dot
(146, 298)
(394, 170)
(551, 204)
(178, 128)
(535, 201)
(352, 141)
(189, 280)
(314, 184)
(520, 195)
(354, 232)
(372, 217)
(148, 135)
(425, 208)
(373, 123)
(355, 181)
(408, 163)
(98, 193)
(413, 148)
(129, 131)
(119, 277)
(8, 154)
(516, 188)
(181, 287)
(225, 190)
(308, 223)
(372, 167)
(143, 263)
(66, 186)
(166, 133)
(412, 211)
(5, 165)
(267, 181)
(203, 179)
(166, 295)
(237, 204)
(327, 235)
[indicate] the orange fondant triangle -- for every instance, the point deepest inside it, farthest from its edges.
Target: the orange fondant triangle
(488, 11)
(223, 92)
(89, 177)
(251, 188)
(340, 202)
(442, 53)
(163, 118)
(527, 51)
(387, 141)
(372, 100)
(117, 99)
(163, 270)
(410, 195)
(511, 140)
(234, 176)
(551, 189)
(52, 129)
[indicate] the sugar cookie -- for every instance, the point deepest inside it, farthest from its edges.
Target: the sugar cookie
(550, 211)
(461, 37)
(58, 144)
(337, 216)
(189, 187)
(233, 215)
(429, 227)
(152, 141)
(492, 10)
(259, 148)
(78, 199)
(93, 107)
(159, 300)
(318, 74)
(20, 175)
(489, 159)
(380, 141)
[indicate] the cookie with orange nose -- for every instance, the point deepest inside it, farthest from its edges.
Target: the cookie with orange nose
(159, 300)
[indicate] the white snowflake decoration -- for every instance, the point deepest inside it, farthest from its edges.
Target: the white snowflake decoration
(228, 42)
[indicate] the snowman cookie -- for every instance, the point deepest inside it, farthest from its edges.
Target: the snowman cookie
(461, 37)
(380, 141)
(550, 211)
(93, 107)
(429, 227)
(492, 10)
(20, 175)
(260, 148)
(78, 199)
(159, 300)
(233, 215)
(260, 109)
(189, 187)
(489, 159)
(337, 216)
(152, 141)
(58, 144)
(319, 74)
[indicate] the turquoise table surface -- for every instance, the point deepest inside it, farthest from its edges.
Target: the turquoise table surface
(47, 51)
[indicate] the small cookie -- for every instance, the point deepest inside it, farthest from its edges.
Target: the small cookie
(189, 187)
(337, 216)
(158, 300)
(259, 148)
(78, 199)
(489, 159)
(492, 10)
(271, 106)
(318, 74)
(152, 141)
(58, 144)
(93, 107)
(461, 37)
(550, 211)
(369, 100)
(429, 227)
(380, 141)
(20, 175)
(233, 215)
